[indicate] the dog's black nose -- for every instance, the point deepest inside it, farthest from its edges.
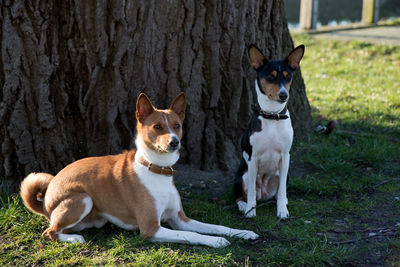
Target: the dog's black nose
(174, 142)
(283, 95)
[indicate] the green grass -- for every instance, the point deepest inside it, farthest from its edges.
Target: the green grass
(334, 191)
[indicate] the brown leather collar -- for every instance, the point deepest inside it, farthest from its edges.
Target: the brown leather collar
(168, 171)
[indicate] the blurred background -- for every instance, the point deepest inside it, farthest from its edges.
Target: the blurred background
(339, 12)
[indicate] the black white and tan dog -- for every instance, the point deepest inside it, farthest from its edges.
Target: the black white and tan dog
(266, 143)
(134, 190)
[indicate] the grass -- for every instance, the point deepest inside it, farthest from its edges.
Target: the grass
(343, 192)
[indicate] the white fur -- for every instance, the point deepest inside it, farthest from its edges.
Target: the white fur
(160, 159)
(33, 178)
(242, 205)
(71, 238)
(206, 228)
(162, 189)
(168, 204)
(270, 156)
(84, 225)
(168, 235)
(117, 221)
(87, 201)
(170, 131)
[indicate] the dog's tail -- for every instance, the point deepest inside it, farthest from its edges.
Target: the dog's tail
(33, 190)
(238, 189)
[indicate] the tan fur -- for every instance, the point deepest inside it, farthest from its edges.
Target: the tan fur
(182, 215)
(256, 57)
(157, 139)
(295, 56)
(119, 189)
(33, 190)
(288, 85)
(270, 89)
(268, 186)
(109, 182)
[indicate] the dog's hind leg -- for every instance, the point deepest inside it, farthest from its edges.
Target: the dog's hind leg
(240, 188)
(240, 185)
(66, 215)
(93, 219)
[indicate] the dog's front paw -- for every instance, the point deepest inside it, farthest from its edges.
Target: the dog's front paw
(219, 242)
(250, 210)
(250, 213)
(245, 234)
(282, 212)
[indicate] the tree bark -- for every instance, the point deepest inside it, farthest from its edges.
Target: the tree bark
(71, 72)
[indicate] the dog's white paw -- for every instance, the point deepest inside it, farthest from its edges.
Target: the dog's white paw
(245, 234)
(71, 238)
(250, 213)
(250, 210)
(219, 242)
(242, 206)
(282, 212)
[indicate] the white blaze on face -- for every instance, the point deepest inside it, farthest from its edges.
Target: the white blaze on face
(171, 132)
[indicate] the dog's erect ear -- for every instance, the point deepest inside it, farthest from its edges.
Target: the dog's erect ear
(295, 56)
(143, 107)
(179, 105)
(256, 57)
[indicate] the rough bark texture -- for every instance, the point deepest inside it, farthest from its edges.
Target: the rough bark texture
(71, 72)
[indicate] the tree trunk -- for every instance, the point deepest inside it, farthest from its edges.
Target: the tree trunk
(72, 70)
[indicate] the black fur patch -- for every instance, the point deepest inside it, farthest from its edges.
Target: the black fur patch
(254, 126)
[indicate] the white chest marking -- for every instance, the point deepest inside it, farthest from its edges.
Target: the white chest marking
(273, 141)
(162, 189)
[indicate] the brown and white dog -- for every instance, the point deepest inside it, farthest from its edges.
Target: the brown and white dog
(134, 190)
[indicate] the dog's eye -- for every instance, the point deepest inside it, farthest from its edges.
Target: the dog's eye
(157, 127)
(177, 126)
(287, 76)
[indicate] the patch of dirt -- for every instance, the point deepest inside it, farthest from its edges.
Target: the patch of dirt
(216, 183)
(213, 183)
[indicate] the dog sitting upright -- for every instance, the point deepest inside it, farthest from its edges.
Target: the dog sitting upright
(262, 173)
(134, 190)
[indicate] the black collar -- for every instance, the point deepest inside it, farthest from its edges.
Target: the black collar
(273, 116)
